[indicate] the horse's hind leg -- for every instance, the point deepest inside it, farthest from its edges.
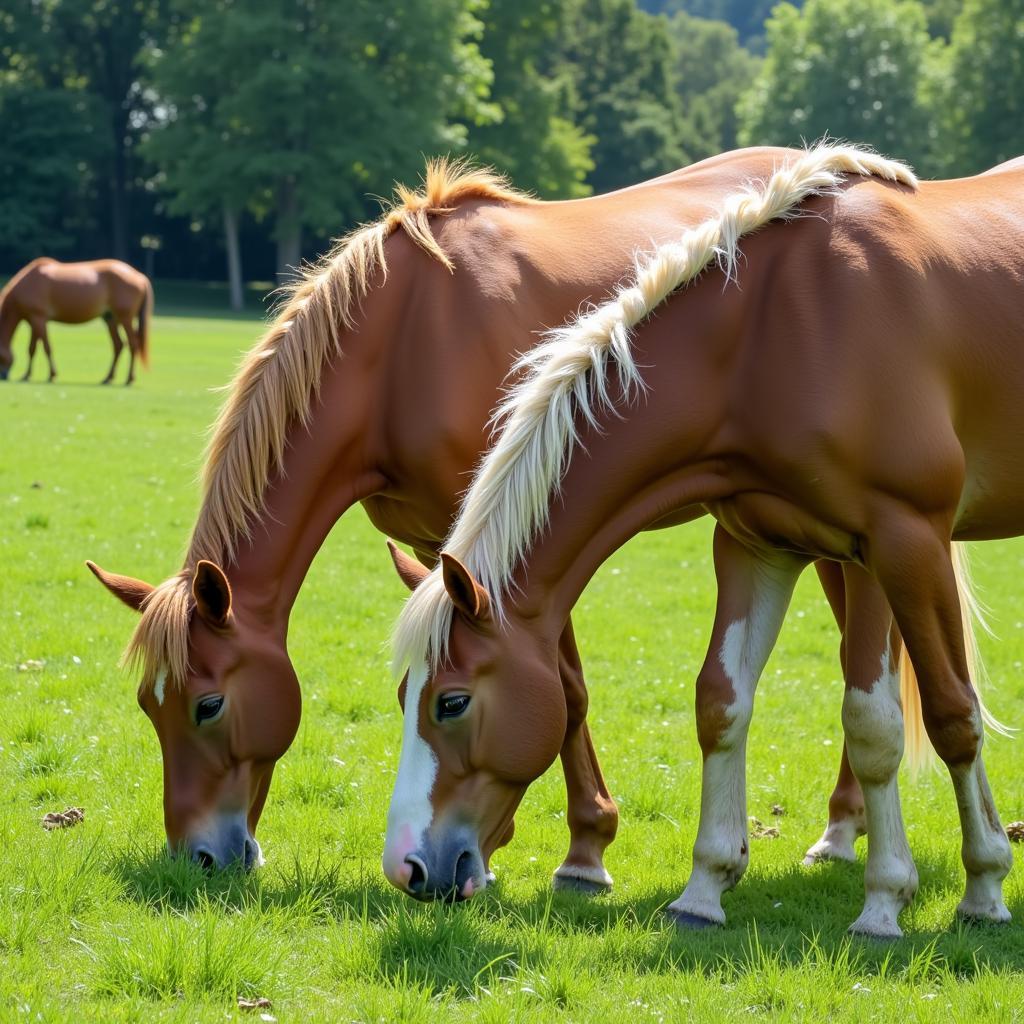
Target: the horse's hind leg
(44, 337)
(133, 347)
(753, 595)
(913, 564)
(873, 723)
(115, 340)
(592, 816)
(846, 818)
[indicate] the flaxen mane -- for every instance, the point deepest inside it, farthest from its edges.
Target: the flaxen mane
(275, 387)
(565, 383)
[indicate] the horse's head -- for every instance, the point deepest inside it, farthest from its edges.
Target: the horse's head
(223, 726)
(477, 732)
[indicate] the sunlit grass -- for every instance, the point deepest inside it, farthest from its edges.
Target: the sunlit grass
(98, 924)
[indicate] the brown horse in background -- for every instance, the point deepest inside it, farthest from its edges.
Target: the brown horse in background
(73, 293)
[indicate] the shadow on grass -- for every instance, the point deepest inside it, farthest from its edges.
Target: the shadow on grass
(319, 890)
(793, 919)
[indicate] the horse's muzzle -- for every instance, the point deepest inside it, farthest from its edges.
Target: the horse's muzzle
(451, 871)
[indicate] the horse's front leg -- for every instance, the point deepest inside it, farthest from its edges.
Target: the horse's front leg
(873, 723)
(591, 815)
(753, 594)
(33, 342)
(846, 818)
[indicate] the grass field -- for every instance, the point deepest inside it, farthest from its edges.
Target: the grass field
(97, 924)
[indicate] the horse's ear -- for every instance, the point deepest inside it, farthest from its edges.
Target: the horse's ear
(410, 572)
(212, 593)
(467, 595)
(133, 592)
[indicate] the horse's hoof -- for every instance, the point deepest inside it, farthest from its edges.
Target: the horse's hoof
(570, 883)
(106, 380)
(685, 921)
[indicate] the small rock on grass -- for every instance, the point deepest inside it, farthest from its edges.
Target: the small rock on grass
(1015, 831)
(778, 810)
(63, 819)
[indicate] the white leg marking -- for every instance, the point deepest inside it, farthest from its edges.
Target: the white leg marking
(986, 850)
(873, 722)
(837, 841)
(160, 686)
(720, 852)
(410, 813)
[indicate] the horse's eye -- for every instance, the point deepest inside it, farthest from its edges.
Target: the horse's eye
(451, 705)
(208, 709)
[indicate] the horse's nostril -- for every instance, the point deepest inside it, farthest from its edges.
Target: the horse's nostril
(205, 859)
(417, 883)
(463, 872)
(251, 854)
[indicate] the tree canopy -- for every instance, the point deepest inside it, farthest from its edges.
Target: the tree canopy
(258, 129)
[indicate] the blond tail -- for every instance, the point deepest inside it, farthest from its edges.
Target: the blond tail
(919, 751)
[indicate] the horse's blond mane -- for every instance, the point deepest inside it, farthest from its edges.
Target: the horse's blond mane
(276, 385)
(564, 382)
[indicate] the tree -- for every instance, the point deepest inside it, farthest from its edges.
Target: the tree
(852, 69)
(325, 102)
(985, 105)
(49, 143)
(619, 60)
(534, 140)
(711, 70)
(92, 47)
(746, 16)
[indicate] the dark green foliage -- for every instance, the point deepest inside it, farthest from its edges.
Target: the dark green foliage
(619, 60)
(534, 138)
(746, 16)
(851, 69)
(278, 122)
(49, 145)
(711, 70)
(985, 111)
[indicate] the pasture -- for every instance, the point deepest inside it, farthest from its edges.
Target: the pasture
(96, 923)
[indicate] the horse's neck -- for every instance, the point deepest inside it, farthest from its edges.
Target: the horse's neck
(655, 460)
(327, 469)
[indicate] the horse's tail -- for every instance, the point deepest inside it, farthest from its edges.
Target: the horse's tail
(145, 315)
(918, 750)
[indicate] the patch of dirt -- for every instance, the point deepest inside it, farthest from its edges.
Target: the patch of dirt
(778, 810)
(63, 819)
(1015, 831)
(758, 830)
(262, 1003)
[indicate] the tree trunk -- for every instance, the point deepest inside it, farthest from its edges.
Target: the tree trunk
(119, 186)
(289, 232)
(234, 257)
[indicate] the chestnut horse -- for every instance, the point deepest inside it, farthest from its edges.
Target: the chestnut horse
(374, 385)
(851, 389)
(74, 293)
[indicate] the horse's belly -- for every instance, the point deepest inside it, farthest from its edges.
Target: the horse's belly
(770, 522)
(992, 503)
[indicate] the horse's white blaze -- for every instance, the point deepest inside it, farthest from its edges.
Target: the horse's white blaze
(410, 813)
(873, 724)
(720, 852)
(160, 686)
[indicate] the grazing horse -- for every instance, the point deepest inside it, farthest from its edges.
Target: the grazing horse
(374, 385)
(852, 388)
(74, 293)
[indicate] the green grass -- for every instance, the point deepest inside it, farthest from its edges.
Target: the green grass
(96, 924)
